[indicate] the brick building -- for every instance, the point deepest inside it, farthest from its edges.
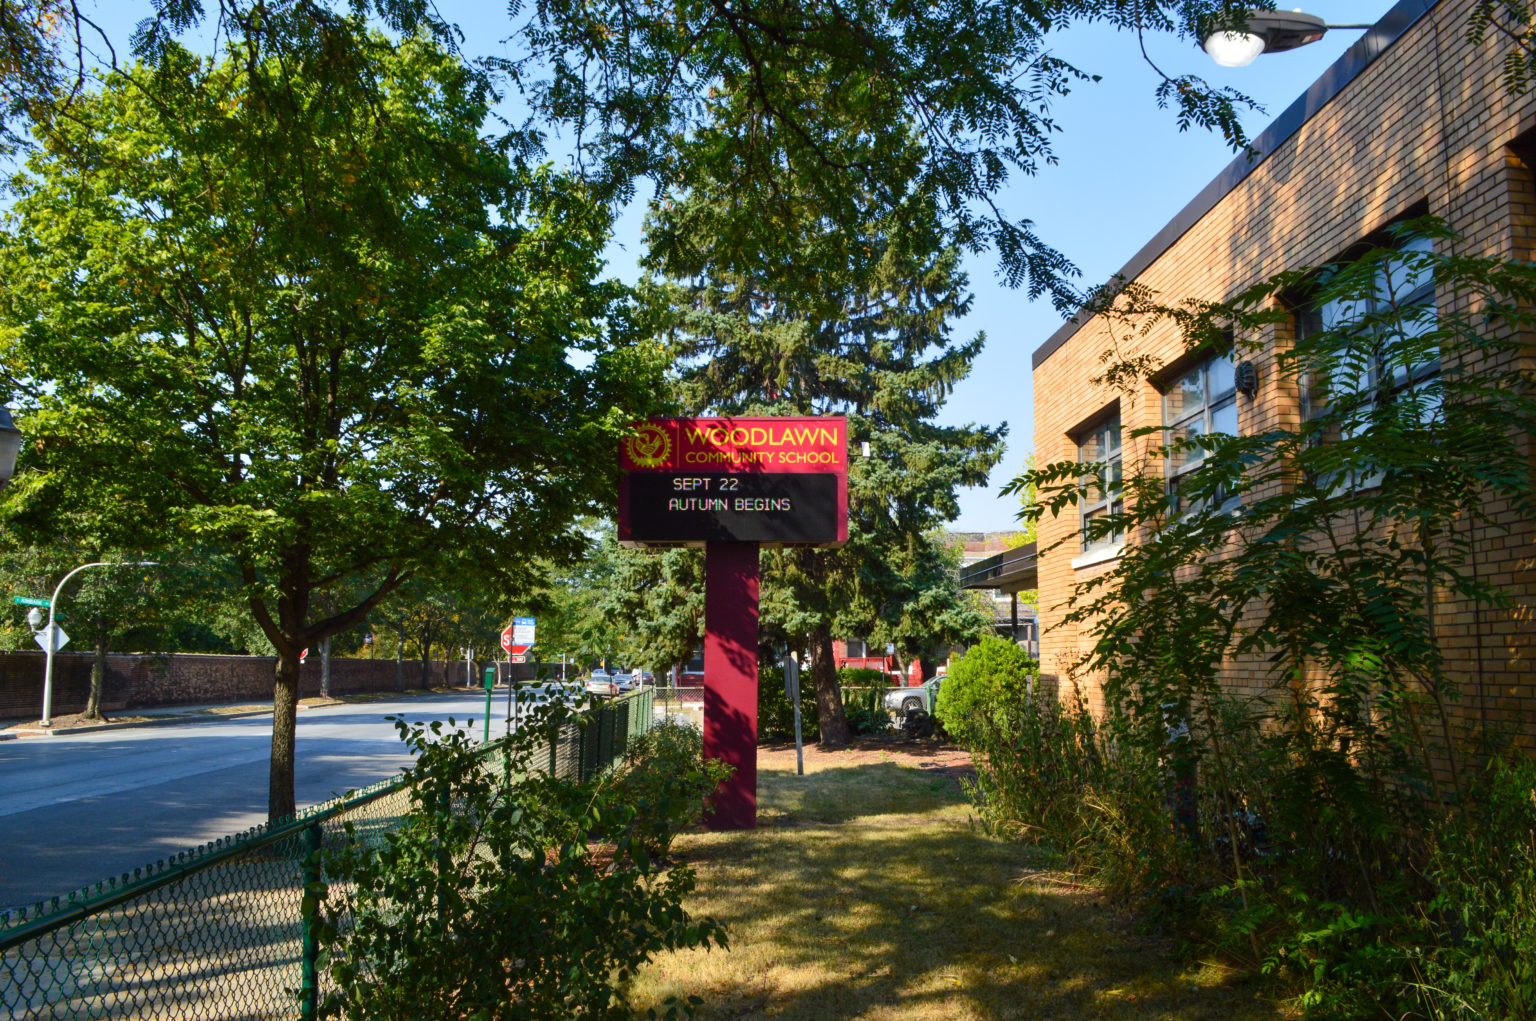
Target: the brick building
(1412, 119)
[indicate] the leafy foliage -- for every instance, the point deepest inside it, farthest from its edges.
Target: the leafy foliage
(668, 781)
(507, 893)
(1482, 922)
(1309, 821)
(992, 680)
(290, 305)
(949, 99)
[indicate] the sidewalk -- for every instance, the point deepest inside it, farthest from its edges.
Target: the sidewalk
(75, 723)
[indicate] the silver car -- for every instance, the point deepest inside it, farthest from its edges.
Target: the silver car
(923, 697)
(602, 683)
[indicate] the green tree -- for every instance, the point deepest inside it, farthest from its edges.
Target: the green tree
(780, 312)
(446, 613)
(291, 305)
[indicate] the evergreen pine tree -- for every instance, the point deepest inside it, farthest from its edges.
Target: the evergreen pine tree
(780, 311)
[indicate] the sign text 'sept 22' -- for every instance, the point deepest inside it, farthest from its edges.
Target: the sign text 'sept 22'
(774, 481)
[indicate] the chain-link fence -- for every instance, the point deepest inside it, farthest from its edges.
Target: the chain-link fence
(676, 700)
(217, 932)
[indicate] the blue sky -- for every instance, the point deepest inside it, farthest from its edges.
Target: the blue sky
(1124, 171)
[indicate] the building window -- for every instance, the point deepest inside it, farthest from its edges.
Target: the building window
(856, 649)
(1100, 446)
(1385, 359)
(1201, 402)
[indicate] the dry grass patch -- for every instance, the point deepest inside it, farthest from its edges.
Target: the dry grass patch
(866, 893)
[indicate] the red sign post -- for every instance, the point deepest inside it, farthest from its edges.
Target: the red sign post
(734, 485)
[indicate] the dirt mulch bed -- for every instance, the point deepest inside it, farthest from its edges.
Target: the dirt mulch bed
(930, 756)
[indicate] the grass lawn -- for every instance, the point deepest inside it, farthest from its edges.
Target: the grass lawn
(866, 893)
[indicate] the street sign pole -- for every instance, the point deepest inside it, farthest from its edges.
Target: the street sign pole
(792, 682)
(489, 680)
(54, 644)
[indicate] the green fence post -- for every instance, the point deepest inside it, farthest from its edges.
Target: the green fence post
(444, 863)
(554, 756)
(309, 979)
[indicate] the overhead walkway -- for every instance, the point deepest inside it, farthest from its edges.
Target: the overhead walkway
(1011, 571)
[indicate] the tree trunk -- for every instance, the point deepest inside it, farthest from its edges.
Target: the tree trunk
(426, 662)
(829, 697)
(325, 669)
(98, 670)
(285, 705)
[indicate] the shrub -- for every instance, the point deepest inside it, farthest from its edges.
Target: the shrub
(862, 677)
(667, 781)
(504, 893)
(1484, 914)
(865, 710)
(990, 682)
(775, 712)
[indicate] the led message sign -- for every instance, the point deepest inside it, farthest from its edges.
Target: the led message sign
(774, 481)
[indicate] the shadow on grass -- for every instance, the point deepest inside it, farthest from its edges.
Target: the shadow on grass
(866, 893)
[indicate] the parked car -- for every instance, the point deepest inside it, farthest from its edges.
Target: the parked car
(923, 697)
(624, 680)
(601, 682)
(644, 678)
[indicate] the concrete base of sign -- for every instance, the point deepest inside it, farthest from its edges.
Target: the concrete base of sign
(731, 576)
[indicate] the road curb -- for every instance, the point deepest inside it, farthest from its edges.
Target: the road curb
(167, 721)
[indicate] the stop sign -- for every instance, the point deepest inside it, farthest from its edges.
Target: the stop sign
(506, 639)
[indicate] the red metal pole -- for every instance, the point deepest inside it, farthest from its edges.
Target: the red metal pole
(730, 678)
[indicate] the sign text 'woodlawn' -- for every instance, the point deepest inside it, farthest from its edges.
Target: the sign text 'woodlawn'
(774, 481)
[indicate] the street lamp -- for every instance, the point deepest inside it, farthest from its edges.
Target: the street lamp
(10, 446)
(51, 631)
(1239, 43)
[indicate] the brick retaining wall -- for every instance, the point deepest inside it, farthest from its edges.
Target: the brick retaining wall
(143, 681)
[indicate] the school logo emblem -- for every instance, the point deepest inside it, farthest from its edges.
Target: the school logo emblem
(649, 446)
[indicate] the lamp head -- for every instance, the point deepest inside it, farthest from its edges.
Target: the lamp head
(1239, 44)
(34, 618)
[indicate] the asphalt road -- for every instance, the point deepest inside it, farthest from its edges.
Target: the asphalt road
(77, 809)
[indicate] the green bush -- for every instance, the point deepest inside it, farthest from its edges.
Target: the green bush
(505, 893)
(668, 782)
(862, 677)
(865, 709)
(1484, 914)
(775, 712)
(989, 683)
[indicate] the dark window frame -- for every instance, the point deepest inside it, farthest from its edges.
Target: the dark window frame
(1107, 437)
(1218, 395)
(1311, 319)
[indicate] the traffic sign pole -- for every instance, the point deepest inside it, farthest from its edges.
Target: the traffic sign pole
(53, 638)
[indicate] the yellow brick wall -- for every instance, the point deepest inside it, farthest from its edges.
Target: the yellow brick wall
(1429, 122)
